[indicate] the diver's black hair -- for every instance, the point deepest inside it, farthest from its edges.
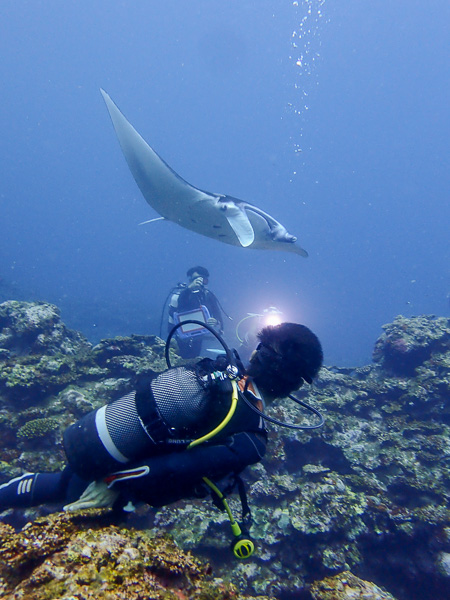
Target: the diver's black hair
(200, 270)
(287, 355)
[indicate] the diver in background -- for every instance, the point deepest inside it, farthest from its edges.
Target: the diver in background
(191, 296)
(142, 447)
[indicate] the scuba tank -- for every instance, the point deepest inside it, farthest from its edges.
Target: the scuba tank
(106, 439)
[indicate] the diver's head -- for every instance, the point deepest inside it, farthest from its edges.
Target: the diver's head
(287, 355)
(198, 271)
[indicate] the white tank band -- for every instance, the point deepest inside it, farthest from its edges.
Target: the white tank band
(105, 438)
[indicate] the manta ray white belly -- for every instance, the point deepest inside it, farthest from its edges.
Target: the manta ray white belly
(220, 217)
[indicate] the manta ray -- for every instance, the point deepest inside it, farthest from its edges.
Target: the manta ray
(217, 216)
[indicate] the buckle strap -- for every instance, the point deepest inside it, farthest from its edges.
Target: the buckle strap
(148, 412)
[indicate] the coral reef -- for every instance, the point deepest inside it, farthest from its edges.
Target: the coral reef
(36, 328)
(408, 343)
(50, 376)
(129, 356)
(85, 557)
(347, 586)
(37, 428)
(367, 493)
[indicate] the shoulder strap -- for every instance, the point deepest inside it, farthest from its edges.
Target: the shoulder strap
(147, 410)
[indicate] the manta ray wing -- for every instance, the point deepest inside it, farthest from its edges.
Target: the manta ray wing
(159, 184)
(170, 195)
(220, 217)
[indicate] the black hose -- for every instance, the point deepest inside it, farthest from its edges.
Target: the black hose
(231, 361)
(288, 425)
(230, 356)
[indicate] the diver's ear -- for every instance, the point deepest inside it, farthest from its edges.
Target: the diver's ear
(253, 354)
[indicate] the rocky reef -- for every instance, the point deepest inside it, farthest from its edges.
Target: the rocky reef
(367, 495)
(83, 556)
(346, 585)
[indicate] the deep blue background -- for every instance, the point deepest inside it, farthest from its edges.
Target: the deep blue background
(216, 89)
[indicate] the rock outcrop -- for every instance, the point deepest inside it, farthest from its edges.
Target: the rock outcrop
(66, 557)
(367, 493)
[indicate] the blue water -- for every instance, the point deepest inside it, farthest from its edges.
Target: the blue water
(332, 116)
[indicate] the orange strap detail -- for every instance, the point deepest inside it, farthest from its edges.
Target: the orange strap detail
(242, 383)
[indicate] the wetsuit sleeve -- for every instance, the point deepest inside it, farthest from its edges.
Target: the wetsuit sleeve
(214, 309)
(175, 476)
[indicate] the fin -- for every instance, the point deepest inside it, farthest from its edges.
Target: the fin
(153, 220)
(240, 224)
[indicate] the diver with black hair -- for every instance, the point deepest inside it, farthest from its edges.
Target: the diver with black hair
(162, 443)
(185, 299)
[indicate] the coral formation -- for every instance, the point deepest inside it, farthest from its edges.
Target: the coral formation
(367, 493)
(37, 428)
(132, 355)
(36, 328)
(408, 343)
(39, 356)
(81, 556)
(347, 586)
(370, 488)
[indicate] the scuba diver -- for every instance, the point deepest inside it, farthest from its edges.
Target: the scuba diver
(179, 434)
(193, 301)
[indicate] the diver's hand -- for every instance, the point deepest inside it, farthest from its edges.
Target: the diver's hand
(196, 284)
(212, 321)
(96, 495)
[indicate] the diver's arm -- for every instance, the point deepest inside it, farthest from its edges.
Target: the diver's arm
(171, 310)
(215, 311)
(170, 477)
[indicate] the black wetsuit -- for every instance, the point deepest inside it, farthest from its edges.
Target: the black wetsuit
(165, 470)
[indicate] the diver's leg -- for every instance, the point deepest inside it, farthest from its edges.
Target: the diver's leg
(196, 346)
(190, 347)
(184, 347)
(33, 489)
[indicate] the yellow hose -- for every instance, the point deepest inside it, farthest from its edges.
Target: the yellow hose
(208, 436)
